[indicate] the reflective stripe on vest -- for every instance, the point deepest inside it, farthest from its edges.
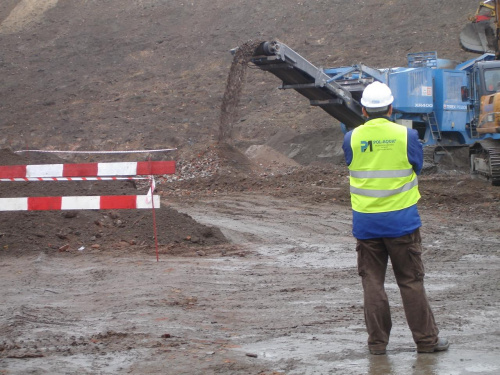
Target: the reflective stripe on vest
(384, 193)
(381, 174)
(381, 177)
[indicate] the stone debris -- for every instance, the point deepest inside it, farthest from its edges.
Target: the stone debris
(203, 165)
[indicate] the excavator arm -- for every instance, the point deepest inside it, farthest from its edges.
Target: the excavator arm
(483, 34)
(497, 29)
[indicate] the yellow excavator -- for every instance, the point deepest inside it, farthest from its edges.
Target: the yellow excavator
(482, 34)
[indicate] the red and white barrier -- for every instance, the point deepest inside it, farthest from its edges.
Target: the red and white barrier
(86, 172)
(88, 169)
(104, 202)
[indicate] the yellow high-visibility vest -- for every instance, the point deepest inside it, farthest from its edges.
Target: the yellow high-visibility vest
(381, 177)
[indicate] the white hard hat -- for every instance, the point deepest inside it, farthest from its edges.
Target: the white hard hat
(377, 95)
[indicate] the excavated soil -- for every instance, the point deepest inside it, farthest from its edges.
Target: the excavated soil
(73, 231)
(255, 268)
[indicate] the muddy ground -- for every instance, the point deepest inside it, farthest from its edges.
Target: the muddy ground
(255, 268)
(281, 296)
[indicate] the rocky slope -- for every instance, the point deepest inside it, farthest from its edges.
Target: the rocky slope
(151, 73)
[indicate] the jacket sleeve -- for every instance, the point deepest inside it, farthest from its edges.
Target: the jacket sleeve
(415, 151)
(346, 146)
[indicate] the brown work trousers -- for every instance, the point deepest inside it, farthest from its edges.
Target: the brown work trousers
(405, 253)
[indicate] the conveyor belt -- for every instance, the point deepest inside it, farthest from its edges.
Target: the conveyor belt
(299, 74)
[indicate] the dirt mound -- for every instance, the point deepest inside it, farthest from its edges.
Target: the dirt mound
(233, 160)
(268, 158)
(92, 229)
(22, 232)
(323, 145)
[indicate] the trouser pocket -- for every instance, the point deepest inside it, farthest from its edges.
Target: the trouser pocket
(361, 260)
(406, 256)
(415, 255)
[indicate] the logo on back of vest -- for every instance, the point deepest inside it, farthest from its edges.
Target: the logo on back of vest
(365, 145)
(380, 144)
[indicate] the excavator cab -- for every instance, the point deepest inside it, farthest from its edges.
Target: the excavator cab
(489, 113)
(481, 35)
(485, 153)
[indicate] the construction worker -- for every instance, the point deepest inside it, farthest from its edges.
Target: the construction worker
(384, 160)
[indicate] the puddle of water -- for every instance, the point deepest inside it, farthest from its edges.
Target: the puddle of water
(478, 257)
(80, 363)
(344, 352)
